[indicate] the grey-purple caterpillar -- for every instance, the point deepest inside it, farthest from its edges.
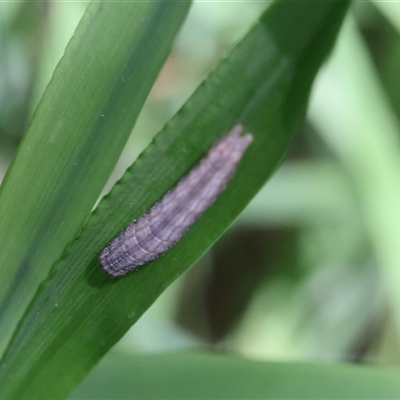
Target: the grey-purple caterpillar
(147, 237)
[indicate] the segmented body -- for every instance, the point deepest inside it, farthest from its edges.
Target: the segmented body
(163, 225)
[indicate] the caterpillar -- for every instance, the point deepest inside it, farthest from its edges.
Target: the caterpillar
(158, 229)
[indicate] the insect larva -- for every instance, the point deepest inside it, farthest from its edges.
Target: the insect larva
(147, 237)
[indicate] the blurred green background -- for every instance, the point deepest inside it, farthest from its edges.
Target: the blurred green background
(321, 239)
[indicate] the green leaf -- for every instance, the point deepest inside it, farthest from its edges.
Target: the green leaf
(75, 138)
(79, 312)
(361, 128)
(211, 376)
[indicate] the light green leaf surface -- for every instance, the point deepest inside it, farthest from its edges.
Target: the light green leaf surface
(212, 376)
(79, 312)
(368, 146)
(75, 138)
